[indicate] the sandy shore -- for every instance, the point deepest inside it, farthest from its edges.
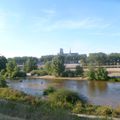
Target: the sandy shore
(48, 77)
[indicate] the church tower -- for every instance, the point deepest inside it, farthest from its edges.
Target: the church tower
(61, 51)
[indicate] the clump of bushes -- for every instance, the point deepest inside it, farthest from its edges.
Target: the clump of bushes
(98, 74)
(49, 90)
(77, 73)
(117, 112)
(3, 83)
(14, 95)
(104, 110)
(40, 72)
(69, 73)
(65, 98)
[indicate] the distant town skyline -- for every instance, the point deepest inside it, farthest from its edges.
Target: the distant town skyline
(38, 27)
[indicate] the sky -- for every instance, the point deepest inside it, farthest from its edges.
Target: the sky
(42, 27)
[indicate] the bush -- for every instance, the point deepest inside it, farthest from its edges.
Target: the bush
(69, 73)
(117, 111)
(39, 72)
(78, 108)
(65, 98)
(79, 71)
(14, 95)
(49, 90)
(104, 110)
(19, 74)
(2, 81)
(91, 74)
(99, 74)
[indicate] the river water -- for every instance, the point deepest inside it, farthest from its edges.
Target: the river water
(97, 92)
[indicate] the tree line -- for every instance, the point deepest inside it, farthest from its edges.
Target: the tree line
(97, 59)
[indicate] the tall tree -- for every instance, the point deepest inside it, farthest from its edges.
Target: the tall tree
(48, 67)
(58, 65)
(3, 62)
(97, 58)
(30, 65)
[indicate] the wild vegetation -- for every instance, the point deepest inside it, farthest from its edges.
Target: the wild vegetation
(97, 74)
(59, 105)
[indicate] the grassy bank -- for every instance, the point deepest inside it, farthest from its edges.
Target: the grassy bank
(59, 105)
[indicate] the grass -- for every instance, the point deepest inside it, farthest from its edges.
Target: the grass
(59, 106)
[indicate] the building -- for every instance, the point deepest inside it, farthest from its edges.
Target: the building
(68, 54)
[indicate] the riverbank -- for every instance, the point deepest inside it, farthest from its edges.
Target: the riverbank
(48, 77)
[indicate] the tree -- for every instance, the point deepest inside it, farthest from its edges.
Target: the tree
(2, 81)
(3, 62)
(99, 74)
(13, 71)
(30, 65)
(91, 74)
(10, 67)
(97, 59)
(79, 71)
(48, 67)
(58, 65)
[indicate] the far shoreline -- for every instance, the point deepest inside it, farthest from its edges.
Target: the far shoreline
(48, 77)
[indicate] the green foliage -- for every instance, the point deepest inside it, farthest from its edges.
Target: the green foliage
(30, 65)
(99, 74)
(65, 98)
(104, 110)
(79, 71)
(69, 73)
(117, 111)
(12, 71)
(91, 74)
(2, 82)
(58, 66)
(14, 95)
(97, 59)
(49, 90)
(78, 108)
(40, 72)
(22, 60)
(48, 67)
(59, 104)
(3, 62)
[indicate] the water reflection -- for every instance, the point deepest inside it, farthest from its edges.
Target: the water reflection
(97, 88)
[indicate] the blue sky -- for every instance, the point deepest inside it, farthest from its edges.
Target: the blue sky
(41, 27)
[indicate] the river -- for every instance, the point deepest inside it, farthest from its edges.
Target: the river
(97, 92)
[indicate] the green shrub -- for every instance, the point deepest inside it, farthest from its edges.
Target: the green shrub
(99, 74)
(79, 71)
(91, 74)
(104, 110)
(2, 81)
(117, 111)
(40, 72)
(49, 90)
(14, 95)
(69, 73)
(65, 98)
(78, 108)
